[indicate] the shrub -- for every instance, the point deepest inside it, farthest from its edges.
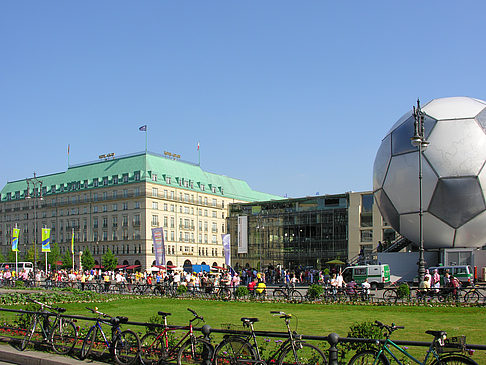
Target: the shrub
(363, 330)
(19, 284)
(181, 289)
(403, 291)
(315, 291)
(241, 292)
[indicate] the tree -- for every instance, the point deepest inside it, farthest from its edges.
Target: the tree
(109, 261)
(53, 256)
(11, 256)
(67, 260)
(87, 260)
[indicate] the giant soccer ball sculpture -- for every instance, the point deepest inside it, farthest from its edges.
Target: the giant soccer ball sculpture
(454, 175)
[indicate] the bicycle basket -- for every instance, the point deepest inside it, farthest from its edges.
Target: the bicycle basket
(454, 344)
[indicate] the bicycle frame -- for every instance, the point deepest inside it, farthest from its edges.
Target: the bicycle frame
(97, 326)
(386, 349)
(173, 350)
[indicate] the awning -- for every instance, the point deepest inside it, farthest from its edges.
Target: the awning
(131, 267)
(161, 267)
(58, 263)
(121, 266)
(218, 268)
(171, 266)
(98, 267)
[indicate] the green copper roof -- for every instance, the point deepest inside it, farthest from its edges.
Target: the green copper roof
(138, 167)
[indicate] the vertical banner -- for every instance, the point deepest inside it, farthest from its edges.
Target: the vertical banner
(15, 239)
(72, 242)
(227, 248)
(159, 247)
(46, 239)
(242, 234)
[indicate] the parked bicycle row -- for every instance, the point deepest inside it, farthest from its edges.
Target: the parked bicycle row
(158, 345)
(474, 295)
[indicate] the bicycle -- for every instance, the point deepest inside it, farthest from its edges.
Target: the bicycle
(157, 349)
(435, 353)
(61, 334)
(288, 293)
(473, 296)
(124, 346)
(243, 349)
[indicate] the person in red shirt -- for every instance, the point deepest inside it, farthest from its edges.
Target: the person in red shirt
(252, 285)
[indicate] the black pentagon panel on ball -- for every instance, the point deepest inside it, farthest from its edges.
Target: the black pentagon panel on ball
(402, 134)
(481, 119)
(457, 200)
(387, 210)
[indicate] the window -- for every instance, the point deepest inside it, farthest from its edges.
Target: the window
(95, 182)
(137, 175)
(95, 209)
(154, 177)
(155, 220)
(167, 180)
(115, 207)
(105, 181)
(155, 205)
(125, 178)
(214, 202)
(125, 206)
(137, 205)
(165, 207)
(115, 179)
(366, 235)
(154, 191)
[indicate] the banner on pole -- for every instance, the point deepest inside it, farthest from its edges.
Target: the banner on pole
(72, 243)
(242, 234)
(46, 240)
(227, 248)
(15, 239)
(159, 247)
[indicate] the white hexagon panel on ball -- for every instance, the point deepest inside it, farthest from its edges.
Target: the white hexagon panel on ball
(454, 176)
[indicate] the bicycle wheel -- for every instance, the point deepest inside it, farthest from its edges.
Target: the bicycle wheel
(126, 348)
(152, 349)
(64, 337)
(28, 334)
(234, 350)
(305, 354)
(471, 296)
(198, 352)
(455, 360)
(390, 296)
(368, 357)
(88, 342)
(278, 294)
(296, 296)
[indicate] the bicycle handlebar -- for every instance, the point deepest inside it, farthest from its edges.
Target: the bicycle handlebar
(57, 309)
(389, 328)
(281, 314)
(96, 311)
(197, 316)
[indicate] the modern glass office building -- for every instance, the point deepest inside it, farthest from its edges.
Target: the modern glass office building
(305, 231)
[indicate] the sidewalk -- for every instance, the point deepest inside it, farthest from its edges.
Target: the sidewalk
(14, 356)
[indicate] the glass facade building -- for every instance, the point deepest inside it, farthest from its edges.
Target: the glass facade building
(294, 232)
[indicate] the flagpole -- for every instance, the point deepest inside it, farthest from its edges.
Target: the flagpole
(146, 139)
(46, 251)
(68, 156)
(16, 255)
(198, 154)
(72, 247)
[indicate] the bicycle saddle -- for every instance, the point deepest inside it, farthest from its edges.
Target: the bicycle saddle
(249, 320)
(61, 310)
(436, 333)
(164, 314)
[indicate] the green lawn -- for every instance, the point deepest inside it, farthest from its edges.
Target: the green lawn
(312, 319)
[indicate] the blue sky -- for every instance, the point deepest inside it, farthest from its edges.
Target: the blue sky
(292, 96)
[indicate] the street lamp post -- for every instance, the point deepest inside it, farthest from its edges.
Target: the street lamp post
(37, 195)
(418, 140)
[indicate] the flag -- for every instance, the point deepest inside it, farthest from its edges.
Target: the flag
(68, 148)
(198, 146)
(46, 238)
(143, 128)
(15, 239)
(72, 243)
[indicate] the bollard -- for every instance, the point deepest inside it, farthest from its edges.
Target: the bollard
(333, 339)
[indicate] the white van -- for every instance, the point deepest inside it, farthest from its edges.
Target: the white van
(27, 266)
(377, 275)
